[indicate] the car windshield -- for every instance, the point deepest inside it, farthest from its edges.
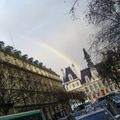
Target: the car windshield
(117, 98)
(99, 104)
(103, 115)
(88, 106)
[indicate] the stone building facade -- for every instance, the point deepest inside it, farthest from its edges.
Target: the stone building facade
(89, 81)
(26, 85)
(93, 86)
(71, 81)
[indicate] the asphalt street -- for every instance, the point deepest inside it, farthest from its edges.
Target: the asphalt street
(113, 108)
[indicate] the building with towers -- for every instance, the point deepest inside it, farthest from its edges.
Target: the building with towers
(89, 80)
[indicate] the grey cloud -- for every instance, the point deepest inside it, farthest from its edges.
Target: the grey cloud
(27, 22)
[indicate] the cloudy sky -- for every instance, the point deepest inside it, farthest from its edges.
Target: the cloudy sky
(45, 30)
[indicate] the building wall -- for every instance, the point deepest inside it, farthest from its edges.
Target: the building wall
(11, 58)
(30, 86)
(93, 87)
(72, 85)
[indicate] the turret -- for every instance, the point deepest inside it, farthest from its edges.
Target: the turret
(88, 59)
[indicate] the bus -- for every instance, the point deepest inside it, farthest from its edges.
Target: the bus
(30, 115)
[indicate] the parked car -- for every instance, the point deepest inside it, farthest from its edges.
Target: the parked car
(116, 100)
(102, 114)
(100, 104)
(89, 108)
(71, 115)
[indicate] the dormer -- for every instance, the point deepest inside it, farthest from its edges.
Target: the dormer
(17, 53)
(70, 77)
(87, 79)
(40, 64)
(85, 75)
(36, 62)
(31, 59)
(9, 49)
(25, 57)
(2, 45)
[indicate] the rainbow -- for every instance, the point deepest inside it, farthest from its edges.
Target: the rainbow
(60, 54)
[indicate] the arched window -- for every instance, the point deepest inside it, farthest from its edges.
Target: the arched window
(87, 79)
(94, 73)
(70, 77)
(66, 86)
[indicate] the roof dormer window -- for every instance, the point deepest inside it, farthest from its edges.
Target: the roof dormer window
(70, 77)
(87, 79)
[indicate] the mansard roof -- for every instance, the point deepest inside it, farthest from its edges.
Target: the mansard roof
(17, 53)
(85, 72)
(68, 71)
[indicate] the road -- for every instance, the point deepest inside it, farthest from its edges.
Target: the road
(113, 108)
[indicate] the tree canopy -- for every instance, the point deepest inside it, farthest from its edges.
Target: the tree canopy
(105, 14)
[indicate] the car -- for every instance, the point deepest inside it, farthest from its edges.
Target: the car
(102, 114)
(117, 101)
(89, 108)
(71, 115)
(100, 104)
(63, 118)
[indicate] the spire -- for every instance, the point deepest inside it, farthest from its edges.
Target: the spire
(88, 59)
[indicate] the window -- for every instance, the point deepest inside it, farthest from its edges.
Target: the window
(87, 79)
(86, 89)
(95, 86)
(73, 85)
(70, 86)
(91, 88)
(94, 73)
(66, 86)
(100, 84)
(77, 83)
(70, 77)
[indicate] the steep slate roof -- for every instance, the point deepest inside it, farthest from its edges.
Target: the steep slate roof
(85, 72)
(68, 71)
(97, 66)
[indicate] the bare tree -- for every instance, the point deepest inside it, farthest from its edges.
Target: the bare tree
(78, 95)
(105, 14)
(109, 68)
(8, 94)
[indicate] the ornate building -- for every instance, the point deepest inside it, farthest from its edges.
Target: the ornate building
(90, 81)
(26, 84)
(71, 80)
